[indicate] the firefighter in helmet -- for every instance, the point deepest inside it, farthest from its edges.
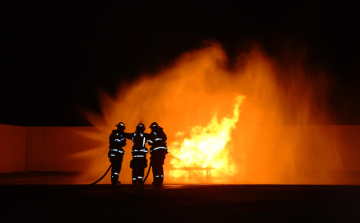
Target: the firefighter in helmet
(117, 142)
(158, 150)
(139, 151)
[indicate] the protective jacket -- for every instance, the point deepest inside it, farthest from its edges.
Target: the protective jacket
(117, 140)
(139, 150)
(157, 141)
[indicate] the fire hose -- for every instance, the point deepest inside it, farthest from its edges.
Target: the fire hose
(147, 173)
(110, 168)
(102, 176)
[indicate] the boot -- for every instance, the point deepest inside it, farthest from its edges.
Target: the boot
(157, 182)
(134, 182)
(114, 183)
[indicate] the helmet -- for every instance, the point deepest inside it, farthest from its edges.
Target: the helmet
(154, 125)
(120, 126)
(140, 127)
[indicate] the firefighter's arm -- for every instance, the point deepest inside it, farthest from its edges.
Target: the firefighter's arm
(128, 135)
(123, 142)
(150, 139)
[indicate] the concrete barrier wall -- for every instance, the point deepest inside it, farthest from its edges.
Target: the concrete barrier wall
(53, 148)
(12, 148)
(35, 149)
(349, 136)
(43, 148)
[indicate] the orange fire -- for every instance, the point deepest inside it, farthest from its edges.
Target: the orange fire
(272, 141)
(206, 147)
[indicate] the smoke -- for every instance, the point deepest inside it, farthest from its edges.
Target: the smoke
(274, 140)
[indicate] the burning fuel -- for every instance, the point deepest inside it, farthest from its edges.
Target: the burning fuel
(207, 148)
(251, 124)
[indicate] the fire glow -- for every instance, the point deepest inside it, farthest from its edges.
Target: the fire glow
(197, 101)
(206, 147)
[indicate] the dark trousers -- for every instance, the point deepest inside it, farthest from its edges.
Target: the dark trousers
(116, 163)
(158, 173)
(157, 162)
(138, 175)
(138, 166)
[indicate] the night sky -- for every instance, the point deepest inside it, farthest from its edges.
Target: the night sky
(56, 55)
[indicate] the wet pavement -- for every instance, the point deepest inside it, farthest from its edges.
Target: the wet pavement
(45, 197)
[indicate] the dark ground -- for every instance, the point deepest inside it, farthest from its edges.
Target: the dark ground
(45, 197)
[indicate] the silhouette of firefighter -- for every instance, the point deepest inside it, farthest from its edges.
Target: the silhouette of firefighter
(139, 151)
(117, 141)
(158, 150)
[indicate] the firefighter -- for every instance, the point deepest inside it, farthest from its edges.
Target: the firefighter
(139, 151)
(117, 142)
(158, 150)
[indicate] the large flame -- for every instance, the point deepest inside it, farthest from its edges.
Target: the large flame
(206, 148)
(209, 141)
